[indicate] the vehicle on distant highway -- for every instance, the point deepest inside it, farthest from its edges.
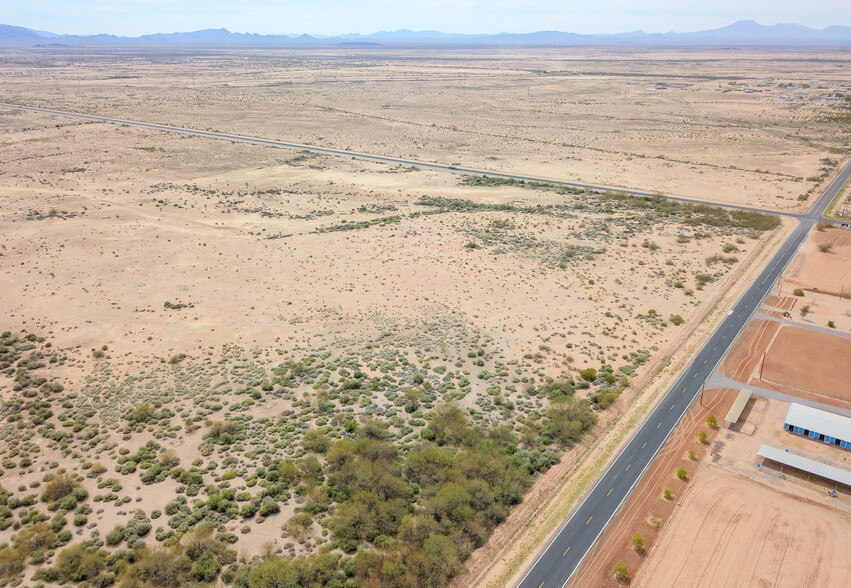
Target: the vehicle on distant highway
(454, 165)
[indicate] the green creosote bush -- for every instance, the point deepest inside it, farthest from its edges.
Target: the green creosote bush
(638, 542)
(588, 374)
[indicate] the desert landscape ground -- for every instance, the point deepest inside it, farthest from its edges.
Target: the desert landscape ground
(215, 352)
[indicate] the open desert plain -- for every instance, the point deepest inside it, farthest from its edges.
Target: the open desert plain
(263, 366)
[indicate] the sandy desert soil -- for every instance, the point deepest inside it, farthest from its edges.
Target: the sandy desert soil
(271, 247)
(207, 282)
(673, 121)
(733, 531)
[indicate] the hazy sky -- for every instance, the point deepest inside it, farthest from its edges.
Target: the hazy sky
(137, 17)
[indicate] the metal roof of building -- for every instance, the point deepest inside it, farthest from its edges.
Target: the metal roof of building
(805, 464)
(820, 421)
(738, 406)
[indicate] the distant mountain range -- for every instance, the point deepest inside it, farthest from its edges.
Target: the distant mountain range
(741, 33)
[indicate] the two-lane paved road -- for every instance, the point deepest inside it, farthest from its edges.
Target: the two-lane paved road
(557, 563)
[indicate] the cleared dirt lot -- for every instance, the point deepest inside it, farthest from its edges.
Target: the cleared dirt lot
(796, 360)
(732, 531)
(790, 359)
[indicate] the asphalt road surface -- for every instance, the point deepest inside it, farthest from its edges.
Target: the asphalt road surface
(557, 563)
(367, 156)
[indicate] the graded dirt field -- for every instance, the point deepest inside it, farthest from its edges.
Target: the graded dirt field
(790, 361)
(665, 120)
(732, 531)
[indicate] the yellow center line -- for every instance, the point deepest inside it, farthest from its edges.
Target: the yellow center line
(659, 425)
(627, 468)
(645, 445)
(589, 519)
(672, 407)
(610, 491)
(563, 554)
(541, 585)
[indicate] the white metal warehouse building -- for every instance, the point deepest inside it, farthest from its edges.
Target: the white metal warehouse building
(820, 425)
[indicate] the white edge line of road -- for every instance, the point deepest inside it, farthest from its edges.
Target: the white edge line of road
(658, 449)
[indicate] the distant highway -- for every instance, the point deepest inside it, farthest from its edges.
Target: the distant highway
(559, 560)
(369, 157)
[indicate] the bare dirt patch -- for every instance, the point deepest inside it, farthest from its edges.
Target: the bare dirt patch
(744, 358)
(795, 361)
(732, 531)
